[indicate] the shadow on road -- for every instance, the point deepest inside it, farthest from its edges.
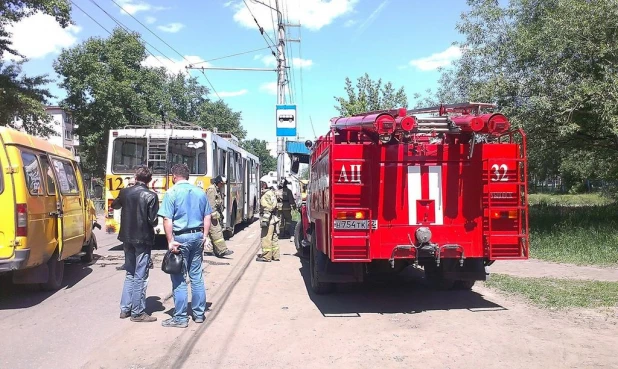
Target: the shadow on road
(161, 242)
(406, 293)
(19, 296)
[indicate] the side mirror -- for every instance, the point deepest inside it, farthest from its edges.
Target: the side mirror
(295, 164)
(308, 144)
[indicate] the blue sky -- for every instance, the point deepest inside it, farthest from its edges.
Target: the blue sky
(402, 41)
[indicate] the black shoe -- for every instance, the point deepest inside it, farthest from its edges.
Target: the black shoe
(124, 315)
(259, 258)
(122, 267)
(225, 253)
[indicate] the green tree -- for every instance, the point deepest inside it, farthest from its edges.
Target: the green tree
(259, 148)
(369, 95)
(108, 87)
(550, 65)
(23, 96)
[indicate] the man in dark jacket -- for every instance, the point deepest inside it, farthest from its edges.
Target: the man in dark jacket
(137, 221)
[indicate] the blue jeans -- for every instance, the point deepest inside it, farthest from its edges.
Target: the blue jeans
(136, 258)
(192, 249)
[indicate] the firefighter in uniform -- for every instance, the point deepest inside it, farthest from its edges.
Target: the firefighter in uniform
(287, 203)
(215, 198)
(269, 222)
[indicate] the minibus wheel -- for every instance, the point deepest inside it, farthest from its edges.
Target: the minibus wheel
(89, 250)
(55, 273)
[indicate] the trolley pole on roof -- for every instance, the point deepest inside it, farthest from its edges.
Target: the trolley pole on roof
(285, 115)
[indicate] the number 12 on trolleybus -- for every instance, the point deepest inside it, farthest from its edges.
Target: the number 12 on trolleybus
(207, 155)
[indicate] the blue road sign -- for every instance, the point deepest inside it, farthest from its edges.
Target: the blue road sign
(286, 120)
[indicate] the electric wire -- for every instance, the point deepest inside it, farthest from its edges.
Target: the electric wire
(168, 45)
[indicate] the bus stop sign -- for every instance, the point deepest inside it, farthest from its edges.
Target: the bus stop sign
(286, 120)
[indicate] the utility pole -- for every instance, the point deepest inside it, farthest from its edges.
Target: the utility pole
(280, 88)
(281, 78)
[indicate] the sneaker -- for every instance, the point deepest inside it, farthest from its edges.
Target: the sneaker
(171, 322)
(225, 253)
(124, 315)
(199, 319)
(259, 258)
(143, 318)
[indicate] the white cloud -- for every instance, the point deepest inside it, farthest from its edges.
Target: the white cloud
(225, 5)
(312, 14)
(150, 20)
(223, 94)
(437, 60)
(39, 35)
(350, 23)
(133, 7)
(269, 88)
(271, 61)
(177, 65)
(172, 27)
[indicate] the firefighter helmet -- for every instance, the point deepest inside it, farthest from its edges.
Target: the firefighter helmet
(219, 179)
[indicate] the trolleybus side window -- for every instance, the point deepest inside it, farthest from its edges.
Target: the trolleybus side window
(215, 160)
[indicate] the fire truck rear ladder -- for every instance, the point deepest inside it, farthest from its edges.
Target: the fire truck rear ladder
(521, 207)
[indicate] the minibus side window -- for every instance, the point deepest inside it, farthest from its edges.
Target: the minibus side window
(66, 177)
(32, 173)
(51, 183)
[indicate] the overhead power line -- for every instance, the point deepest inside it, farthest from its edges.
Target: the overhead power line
(168, 45)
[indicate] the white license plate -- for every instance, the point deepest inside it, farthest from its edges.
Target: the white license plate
(355, 224)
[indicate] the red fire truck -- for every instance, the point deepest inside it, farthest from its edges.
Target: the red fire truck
(443, 187)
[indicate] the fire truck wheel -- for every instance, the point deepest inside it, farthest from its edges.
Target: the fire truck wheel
(434, 276)
(316, 260)
(298, 238)
(464, 285)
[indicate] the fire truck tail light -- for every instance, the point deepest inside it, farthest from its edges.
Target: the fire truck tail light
(509, 214)
(342, 215)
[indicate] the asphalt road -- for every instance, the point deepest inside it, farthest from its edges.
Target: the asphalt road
(263, 315)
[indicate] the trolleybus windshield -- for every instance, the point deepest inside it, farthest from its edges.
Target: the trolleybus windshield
(130, 153)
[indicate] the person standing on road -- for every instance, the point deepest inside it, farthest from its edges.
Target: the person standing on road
(138, 218)
(287, 203)
(269, 223)
(186, 220)
(215, 199)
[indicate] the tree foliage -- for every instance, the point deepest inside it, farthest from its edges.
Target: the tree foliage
(259, 148)
(370, 95)
(550, 65)
(108, 87)
(22, 96)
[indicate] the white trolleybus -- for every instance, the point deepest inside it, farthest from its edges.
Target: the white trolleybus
(207, 155)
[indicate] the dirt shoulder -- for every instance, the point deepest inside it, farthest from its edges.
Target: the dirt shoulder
(538, 268)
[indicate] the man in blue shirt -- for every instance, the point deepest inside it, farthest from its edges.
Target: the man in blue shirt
(186, 221)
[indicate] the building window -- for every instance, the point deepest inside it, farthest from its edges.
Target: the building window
(68, 135)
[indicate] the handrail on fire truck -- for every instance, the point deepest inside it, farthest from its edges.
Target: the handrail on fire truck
(462, 108)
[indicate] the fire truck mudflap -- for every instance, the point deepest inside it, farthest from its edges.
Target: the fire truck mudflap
(391, 189)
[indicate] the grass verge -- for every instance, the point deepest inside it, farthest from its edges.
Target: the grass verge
(586, 199)
(583, 234)
(558, 293)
